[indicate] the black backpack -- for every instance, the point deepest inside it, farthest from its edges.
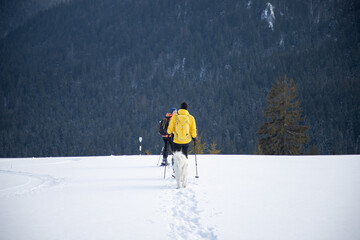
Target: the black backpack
(163, 126)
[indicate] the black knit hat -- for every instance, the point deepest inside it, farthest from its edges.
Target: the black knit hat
(184, 105)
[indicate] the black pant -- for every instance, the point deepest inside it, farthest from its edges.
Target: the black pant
(181, 147)
(167, 142)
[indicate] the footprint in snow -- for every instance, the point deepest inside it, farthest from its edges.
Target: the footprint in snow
(185, 222)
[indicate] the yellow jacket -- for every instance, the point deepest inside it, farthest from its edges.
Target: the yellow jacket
(192, 127)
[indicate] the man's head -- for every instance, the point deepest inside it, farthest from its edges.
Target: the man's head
(184, 105)
(173, 111)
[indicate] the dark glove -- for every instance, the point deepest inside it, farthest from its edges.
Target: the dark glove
(194, 139)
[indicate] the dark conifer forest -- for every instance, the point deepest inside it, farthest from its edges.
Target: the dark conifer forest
(86, 77)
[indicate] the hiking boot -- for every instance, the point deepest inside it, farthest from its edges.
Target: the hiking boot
(164, 162)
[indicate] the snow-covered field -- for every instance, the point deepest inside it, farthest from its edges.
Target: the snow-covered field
(126, 197)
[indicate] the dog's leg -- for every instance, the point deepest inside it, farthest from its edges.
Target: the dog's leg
(185, 177)
(185, 182)
(178, 183)
(177, 177)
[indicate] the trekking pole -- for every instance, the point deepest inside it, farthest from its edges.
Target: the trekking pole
(197, 175)
(165, 171)
(162, 149)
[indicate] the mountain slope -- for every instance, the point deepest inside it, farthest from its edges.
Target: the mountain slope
(89, 78)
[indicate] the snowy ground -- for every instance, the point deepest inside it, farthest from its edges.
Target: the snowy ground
(126, 197)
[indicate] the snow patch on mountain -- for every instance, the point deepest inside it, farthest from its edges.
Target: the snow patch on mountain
(269, 15)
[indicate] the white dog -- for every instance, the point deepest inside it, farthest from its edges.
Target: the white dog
(181, 168)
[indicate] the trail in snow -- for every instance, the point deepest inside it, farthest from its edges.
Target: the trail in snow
(184, 214)
(24, 182)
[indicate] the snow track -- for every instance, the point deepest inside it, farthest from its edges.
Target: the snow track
(24, 182)
(184, 214)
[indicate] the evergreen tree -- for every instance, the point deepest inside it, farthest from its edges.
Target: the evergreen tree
(213, 149)
(282, 133)
(198, 147)
(313, 150)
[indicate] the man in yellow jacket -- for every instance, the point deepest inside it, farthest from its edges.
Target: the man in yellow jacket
(184, 128)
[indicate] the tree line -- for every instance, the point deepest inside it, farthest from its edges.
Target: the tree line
(89, 78)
